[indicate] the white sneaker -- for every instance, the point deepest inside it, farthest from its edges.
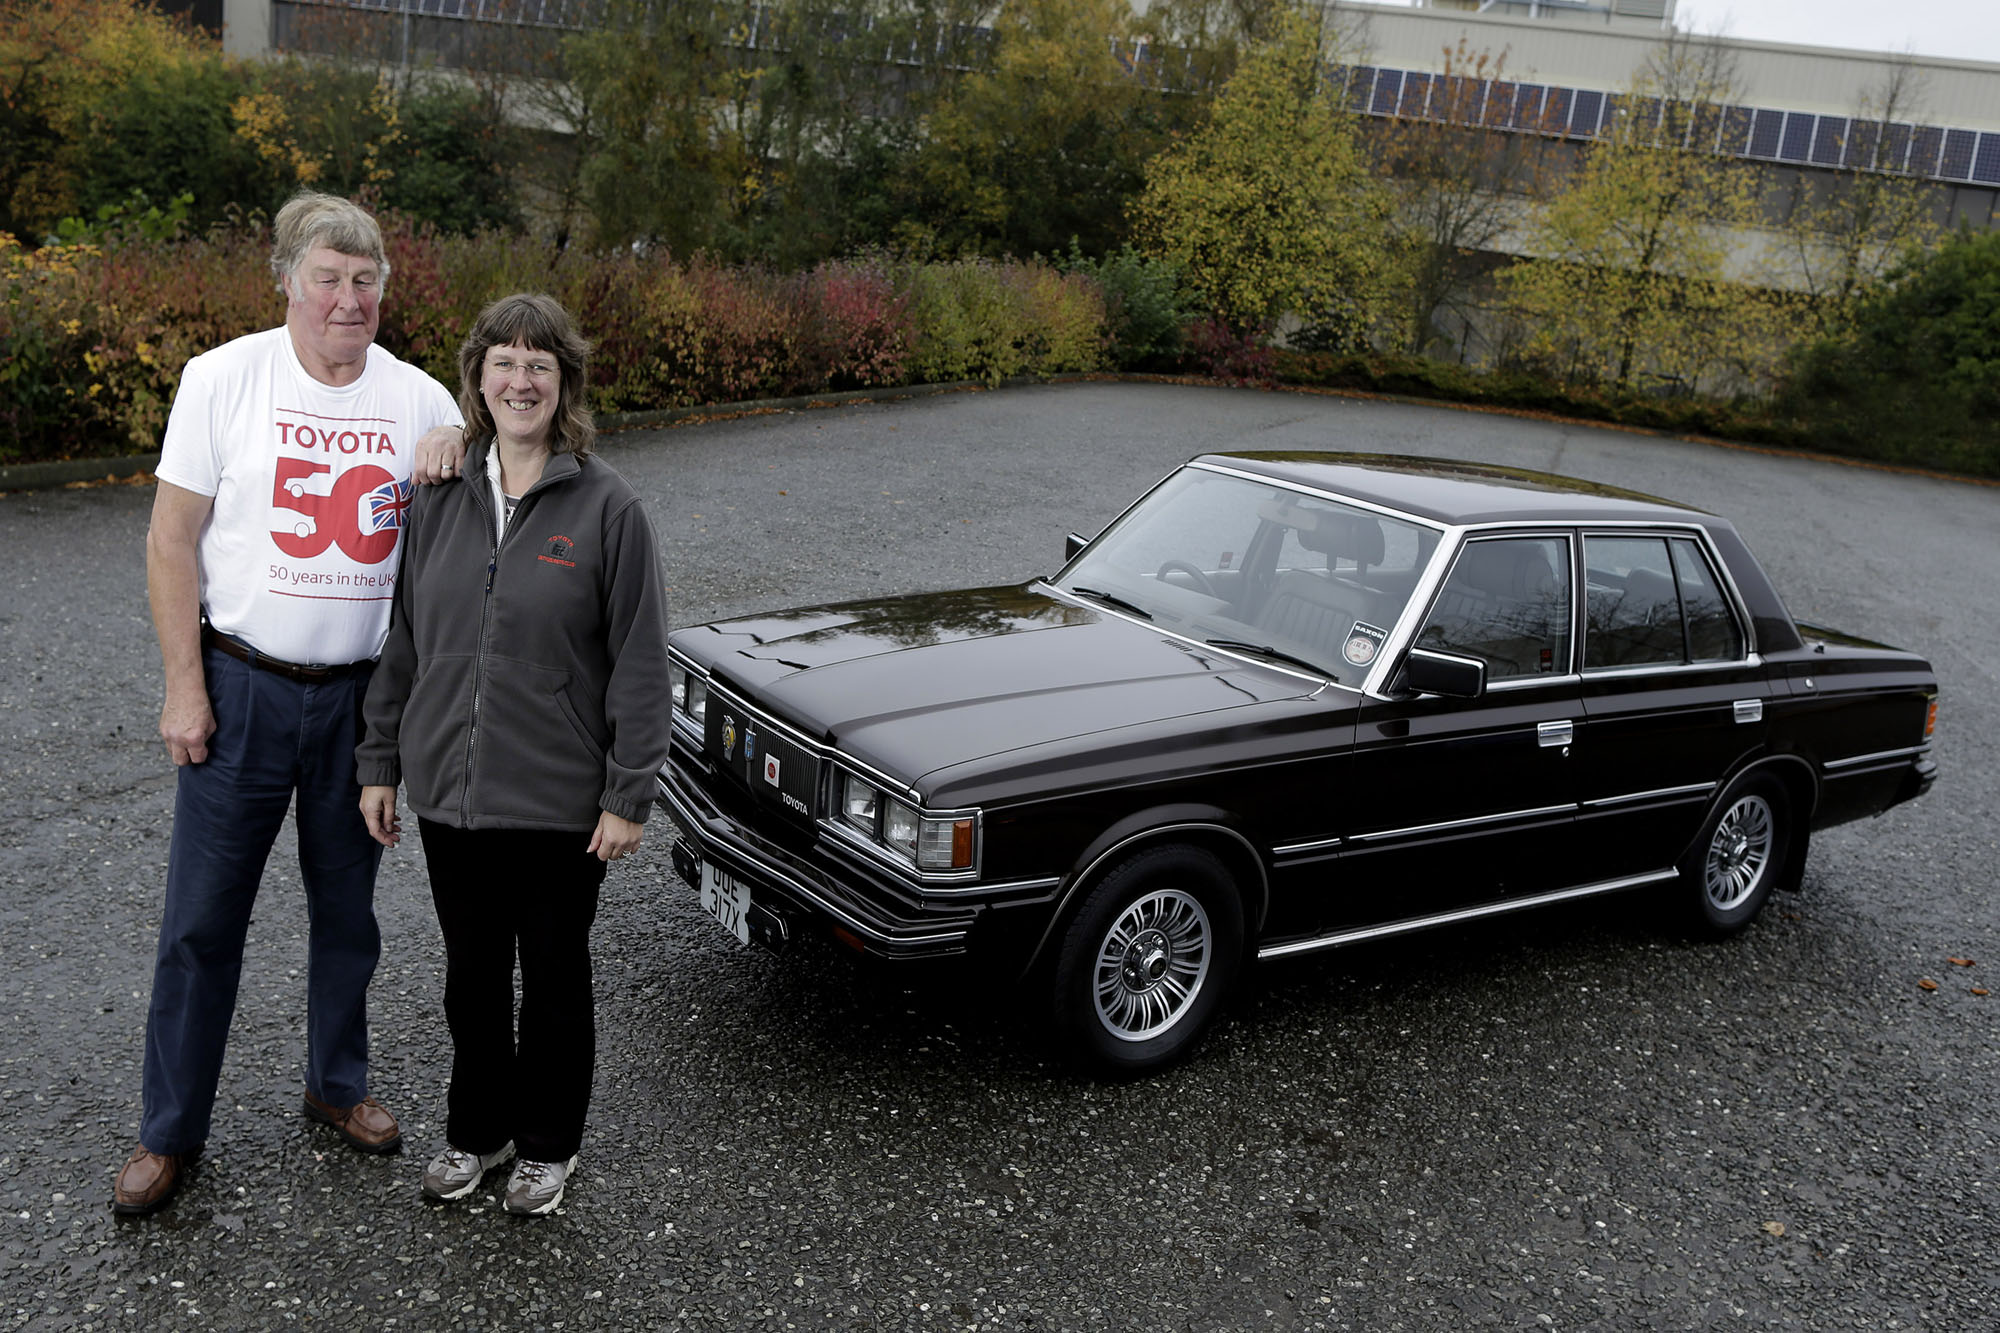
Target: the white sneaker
(536, 1188)
(454, 1173)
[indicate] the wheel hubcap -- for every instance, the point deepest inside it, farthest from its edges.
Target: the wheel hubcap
(1151, 964)
(1739, 853)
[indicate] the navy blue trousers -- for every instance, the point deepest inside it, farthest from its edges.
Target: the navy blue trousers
(502, 894)
(274, 739)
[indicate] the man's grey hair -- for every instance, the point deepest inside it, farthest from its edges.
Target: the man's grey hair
(310, 219)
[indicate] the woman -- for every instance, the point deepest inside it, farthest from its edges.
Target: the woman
(521, 699)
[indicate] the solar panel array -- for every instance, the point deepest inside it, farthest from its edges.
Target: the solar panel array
(1756, 133)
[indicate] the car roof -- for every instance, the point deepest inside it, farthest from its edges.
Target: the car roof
(1456, 492)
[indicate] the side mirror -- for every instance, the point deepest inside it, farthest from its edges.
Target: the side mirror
(1428, 671)
(1077, 541)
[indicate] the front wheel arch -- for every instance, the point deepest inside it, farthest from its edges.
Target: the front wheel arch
(1197, 826)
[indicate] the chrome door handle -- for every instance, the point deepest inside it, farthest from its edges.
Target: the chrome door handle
(1549, 734)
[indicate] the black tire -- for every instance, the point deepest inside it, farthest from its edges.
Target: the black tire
(1739, 856)
(1147, 961)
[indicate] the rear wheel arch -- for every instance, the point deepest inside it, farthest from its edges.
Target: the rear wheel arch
(1800, 781)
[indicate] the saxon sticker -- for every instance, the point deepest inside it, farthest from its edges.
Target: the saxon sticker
(1363, 642)
(728, 736)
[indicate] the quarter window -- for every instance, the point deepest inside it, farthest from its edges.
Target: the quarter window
(1506, 603)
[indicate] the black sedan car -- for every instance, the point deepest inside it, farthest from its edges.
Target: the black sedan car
(1284, 702)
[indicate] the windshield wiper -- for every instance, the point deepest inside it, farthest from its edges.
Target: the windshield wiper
(1098, 594)
(1266, 650)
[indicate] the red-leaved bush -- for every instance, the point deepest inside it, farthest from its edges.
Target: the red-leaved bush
(93, 337)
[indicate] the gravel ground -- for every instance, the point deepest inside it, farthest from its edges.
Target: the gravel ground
(1575, 1120)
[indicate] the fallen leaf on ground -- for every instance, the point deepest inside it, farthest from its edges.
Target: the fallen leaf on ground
(1959, 962)
(1927, 983)
(1775, 1228)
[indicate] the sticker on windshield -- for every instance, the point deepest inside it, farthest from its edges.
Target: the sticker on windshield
(1363, 641)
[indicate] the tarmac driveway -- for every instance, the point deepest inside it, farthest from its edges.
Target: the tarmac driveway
(1572, 1120)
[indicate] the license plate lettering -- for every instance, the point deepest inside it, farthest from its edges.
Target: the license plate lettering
(727, 899)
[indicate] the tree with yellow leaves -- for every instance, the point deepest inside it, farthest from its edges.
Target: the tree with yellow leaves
(1631, 283)
(1269, 209)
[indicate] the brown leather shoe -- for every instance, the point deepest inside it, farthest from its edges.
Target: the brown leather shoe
(147, 1181)
(368, 1126)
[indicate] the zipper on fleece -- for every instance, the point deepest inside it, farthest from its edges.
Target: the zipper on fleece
(479, 657)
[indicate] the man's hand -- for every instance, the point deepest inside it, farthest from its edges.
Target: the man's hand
(378, 808)
(440, 455)
(616, 836)
(173, 588)
(186, 725)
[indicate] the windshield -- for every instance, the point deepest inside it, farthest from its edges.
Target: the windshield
(1259, 568)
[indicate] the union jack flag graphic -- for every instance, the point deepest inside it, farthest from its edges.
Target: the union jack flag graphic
(388, 505)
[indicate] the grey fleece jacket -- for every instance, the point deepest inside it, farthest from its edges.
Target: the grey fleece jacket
(524, 686)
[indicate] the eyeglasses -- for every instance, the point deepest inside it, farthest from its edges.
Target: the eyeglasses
(539, 371)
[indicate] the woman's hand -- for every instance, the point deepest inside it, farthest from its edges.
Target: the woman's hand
(615, 837)
(378, 808)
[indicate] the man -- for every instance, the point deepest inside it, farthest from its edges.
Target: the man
(270, 564)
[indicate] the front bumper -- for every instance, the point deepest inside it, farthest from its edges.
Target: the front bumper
(790, 889)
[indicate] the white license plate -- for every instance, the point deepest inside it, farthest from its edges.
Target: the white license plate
(728, 901)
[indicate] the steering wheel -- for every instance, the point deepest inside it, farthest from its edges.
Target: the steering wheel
(1201, 583)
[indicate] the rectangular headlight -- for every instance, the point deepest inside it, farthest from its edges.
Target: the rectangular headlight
(899, 829)
(859, 803)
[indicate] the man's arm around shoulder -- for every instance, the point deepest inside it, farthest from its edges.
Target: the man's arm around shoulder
(173, 587)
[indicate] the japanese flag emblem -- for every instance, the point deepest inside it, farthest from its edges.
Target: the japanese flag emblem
(771, 769)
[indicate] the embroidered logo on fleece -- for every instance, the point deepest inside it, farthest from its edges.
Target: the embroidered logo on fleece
(558, 552)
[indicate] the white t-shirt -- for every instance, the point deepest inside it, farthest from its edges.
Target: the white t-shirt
(311, 485)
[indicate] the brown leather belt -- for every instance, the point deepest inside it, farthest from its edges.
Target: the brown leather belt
(304, 675)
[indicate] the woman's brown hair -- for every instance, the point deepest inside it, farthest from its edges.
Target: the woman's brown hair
(529, 319)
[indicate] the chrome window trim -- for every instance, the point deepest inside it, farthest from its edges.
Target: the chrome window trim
(1314, 845)
(1500, 531)
(1746, 624)
(1658, 794)
(1751, 662)
(1316, 492)
(1474, 822)
(1880, 756)
(1527, 682)
(1361, 933)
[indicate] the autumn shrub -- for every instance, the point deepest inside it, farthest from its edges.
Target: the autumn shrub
(1219, 349)
(854, 327)
(1063, 318)
(94, 335)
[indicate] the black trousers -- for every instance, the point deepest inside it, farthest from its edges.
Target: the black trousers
(502, 893)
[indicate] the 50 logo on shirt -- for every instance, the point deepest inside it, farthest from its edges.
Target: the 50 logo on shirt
(337, 518)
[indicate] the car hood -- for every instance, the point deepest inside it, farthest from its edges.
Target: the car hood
(911, 685)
